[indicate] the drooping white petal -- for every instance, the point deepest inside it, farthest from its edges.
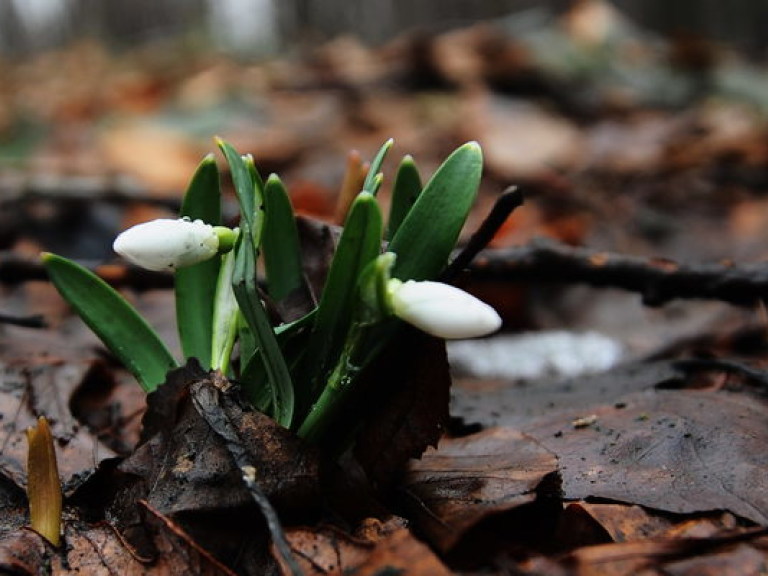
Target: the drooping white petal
(443, 310)
(167, 244)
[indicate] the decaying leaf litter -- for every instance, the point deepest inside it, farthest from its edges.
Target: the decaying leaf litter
(652, 467)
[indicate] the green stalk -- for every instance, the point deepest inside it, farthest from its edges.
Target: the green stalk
(225, 316)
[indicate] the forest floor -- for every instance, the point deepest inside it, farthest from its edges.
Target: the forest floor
(617, 424)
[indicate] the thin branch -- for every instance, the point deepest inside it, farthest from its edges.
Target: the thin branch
(15, 269)
(18, 187)
(657, 280)
(506, 203)
(205, 397)
(34, 321)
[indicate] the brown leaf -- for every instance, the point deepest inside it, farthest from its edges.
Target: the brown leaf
(408, 386)
(402, 554)
(185, 470)
(725, 553)
(328, 551)
(97, 549)
(325, 550)
(498, 403)
(318, 243)
(681, 451)
(588, 523)
(26, 393)
(111, 404)
(43, 483)
(23, 553)
(178, 553)
(468, 479)
(520, 139)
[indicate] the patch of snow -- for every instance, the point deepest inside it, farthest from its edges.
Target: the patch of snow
(535, 355)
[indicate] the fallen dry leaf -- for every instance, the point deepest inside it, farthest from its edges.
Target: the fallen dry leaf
(682, 451)
(327, 551)
(465, 480)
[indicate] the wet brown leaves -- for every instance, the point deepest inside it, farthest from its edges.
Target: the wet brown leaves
(468, 479)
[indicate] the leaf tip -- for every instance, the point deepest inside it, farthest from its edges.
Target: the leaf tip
(473, 145)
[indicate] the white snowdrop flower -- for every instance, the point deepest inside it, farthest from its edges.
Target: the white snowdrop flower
(169, 244)
(442, 310)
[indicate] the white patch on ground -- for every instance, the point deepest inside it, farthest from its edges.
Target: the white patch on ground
(535, 355)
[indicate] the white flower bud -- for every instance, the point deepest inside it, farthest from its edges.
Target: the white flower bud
(168, 244)
(442, 310)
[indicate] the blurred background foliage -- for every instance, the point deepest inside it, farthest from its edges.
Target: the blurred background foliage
(258, 27)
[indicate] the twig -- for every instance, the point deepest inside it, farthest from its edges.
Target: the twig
(34, 321)
(505, 204)
(657, 280)
(18, 187)
(210, 409)
(15, 269)
(720, 364)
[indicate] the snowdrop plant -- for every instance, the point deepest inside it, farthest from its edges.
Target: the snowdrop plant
(299, 372)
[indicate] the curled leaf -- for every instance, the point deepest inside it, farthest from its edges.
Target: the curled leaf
(43, 484)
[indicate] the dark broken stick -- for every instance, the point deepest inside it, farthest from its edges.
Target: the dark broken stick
(657, 280)
(206, 400)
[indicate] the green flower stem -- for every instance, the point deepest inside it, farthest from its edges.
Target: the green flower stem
(225, 316)
(324, 412)
(363, 343)
(227, 238)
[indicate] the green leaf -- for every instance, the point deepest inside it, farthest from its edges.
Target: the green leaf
(292, 339)
(359, 244)
(372, 183)
(247, 183)
(246, 341)
(115, 321)
(429, 232)
(405, 192)
(246, 292)
(280, 242)
(195, 285)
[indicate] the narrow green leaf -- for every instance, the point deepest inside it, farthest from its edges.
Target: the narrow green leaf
(246, 341)
(246, 182)
(259, 213)
(246, 292)
(370, 184)
(195, 285)
(405, 192)
(292, 339)
(359, 244)
(280, 242)
(115, 321)
(429, 232)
